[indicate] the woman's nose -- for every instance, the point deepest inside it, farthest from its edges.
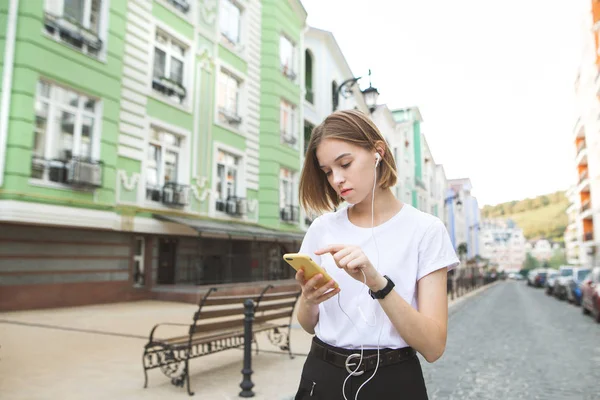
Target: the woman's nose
(338, 177)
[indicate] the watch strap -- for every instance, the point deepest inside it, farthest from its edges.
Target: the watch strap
(380, 294)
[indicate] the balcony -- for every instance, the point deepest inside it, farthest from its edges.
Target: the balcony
(581, 157)
(420, 183)
(171, 194)
(290, 213)
(578, 129)
(78, 172)
(584, 182)
(234, 206)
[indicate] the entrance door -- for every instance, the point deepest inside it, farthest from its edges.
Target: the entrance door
(166, 261)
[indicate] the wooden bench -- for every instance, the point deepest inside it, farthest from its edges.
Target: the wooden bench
(218, 325)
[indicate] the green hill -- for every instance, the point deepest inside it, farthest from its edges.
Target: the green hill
(543, 216)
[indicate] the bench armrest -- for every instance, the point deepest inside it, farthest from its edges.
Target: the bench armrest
(151, 338)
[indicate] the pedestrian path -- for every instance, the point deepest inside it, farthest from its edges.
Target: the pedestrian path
(95, 352)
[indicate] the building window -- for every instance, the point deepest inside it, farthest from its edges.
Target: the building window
(139, 277)
(169, 67)
(76, 22)
(228, 171)
(286, 57)
(289, 212)
(334, 96)
(228, 100)
(287, 124)
(308, 77)
(230, 22)
(163, 163)
(65, 128)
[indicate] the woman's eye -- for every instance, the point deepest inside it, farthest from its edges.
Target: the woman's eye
(327, 173)
(346, 165)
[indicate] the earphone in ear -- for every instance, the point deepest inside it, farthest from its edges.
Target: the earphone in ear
(377, 159)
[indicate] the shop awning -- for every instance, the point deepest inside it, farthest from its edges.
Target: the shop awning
(233, 230)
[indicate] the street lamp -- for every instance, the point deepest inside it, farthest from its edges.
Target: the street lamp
(371, 94)
(345, 89)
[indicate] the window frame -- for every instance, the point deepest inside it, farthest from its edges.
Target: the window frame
(164, 149)
(222, 112)
(284, 106)
(240, 188)
(236, 43)
(52, 14)
(291, 71)
(187, 79)
(55, 108)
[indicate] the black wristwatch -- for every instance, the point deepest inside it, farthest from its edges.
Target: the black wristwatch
(380, 294)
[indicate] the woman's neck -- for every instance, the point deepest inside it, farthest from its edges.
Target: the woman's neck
(386, 206)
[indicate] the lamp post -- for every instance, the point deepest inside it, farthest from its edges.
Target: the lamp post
(345, 90)
(371, 94)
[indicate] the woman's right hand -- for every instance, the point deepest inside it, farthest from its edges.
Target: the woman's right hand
(312, 295)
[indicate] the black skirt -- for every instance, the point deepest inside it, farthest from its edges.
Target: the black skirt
(321, 380)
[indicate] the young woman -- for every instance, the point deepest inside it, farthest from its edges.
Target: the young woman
(389, 259)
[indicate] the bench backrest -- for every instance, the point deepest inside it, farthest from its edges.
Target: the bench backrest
(222, 313)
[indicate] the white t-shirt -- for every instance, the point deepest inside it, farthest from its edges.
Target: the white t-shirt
(411, 244)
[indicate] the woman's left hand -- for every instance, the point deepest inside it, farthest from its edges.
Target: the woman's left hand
(352, 259)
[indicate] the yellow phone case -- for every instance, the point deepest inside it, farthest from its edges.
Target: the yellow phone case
(311, 268)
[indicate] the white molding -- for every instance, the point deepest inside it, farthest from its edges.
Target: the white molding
(169, 127)
(9, 60)
(129, 152)
(46, 214)
(154, 226)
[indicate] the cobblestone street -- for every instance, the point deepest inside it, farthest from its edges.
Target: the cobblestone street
(515, 342)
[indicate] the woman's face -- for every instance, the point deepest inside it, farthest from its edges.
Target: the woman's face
(349, 168)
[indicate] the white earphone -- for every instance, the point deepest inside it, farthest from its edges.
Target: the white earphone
(377, 158)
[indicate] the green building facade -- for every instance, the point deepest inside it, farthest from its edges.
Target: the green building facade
(146, 143)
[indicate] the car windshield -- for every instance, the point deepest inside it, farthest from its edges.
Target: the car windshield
(581, 274)
(543, 274)
(566, 272)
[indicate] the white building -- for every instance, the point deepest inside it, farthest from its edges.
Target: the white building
(572, 242)
(586, 146)
(503, 244)
(326, 70)
(542, 249)
(464, 216)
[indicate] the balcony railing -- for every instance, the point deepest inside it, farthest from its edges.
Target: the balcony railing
(234, 206)
(290, 213)
(586, 205)
(588, 236)
(171, 194)
(580, 147)
(76, 171)
(583, 175)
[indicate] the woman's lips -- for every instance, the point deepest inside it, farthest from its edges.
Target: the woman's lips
(345, 192)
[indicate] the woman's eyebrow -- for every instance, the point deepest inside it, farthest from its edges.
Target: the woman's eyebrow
(337, 158)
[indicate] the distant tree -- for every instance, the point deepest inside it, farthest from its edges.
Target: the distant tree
(462, 250)
(530, 262)
(558, 258)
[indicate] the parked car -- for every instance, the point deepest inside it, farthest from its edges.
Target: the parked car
(574, 287)
(562, 282)
(550, 279)
(590, 294)
(533, 275)
(540, 278)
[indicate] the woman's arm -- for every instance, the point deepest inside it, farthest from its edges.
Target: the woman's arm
(424, 330)
(308, 305)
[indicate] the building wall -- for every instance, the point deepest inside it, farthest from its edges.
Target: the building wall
(279, 18)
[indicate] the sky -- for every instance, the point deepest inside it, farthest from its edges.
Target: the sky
(494, 81)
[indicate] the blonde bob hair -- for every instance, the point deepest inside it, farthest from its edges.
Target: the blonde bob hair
(352, 126)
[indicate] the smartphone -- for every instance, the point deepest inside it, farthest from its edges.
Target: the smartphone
(311, 268)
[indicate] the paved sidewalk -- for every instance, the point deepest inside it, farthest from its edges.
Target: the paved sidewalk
(95, 352)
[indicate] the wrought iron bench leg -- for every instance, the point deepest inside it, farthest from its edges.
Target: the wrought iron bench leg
(145, 370)
(187, 377)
